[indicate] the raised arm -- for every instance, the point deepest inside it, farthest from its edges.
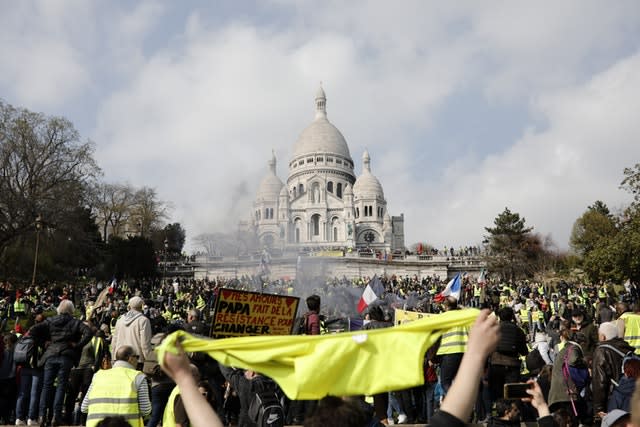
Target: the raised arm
(483, 339)
(201, 414)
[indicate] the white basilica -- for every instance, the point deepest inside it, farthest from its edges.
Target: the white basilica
(323, 205)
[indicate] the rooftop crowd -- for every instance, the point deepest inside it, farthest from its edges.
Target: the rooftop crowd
(575, 343)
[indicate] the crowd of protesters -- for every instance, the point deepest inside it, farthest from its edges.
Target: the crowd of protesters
(577, 341)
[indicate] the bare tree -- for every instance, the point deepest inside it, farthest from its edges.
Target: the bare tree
(45, 170)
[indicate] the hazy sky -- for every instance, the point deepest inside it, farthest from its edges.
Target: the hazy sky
(465, 107)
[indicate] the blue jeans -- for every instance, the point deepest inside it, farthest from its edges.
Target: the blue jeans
(55, 367)
(448, 369)
(29, 392)
(159, 397)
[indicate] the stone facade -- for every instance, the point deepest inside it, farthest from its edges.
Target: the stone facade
(323, 205)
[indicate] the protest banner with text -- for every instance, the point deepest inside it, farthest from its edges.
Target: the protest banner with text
(241, 313)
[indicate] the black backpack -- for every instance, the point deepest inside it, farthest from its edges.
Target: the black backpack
(25, 352)
(266, 408)
(534, 361)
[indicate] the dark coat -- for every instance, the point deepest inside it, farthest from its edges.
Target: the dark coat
(558, 392)
(586, 336)
(65, 334)
(606, 366)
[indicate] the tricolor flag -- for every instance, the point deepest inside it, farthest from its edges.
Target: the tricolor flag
(482, 279)
(452, 289)
(368, 296)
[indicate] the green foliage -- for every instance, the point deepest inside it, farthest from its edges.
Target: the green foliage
(631, 182)
(595, 224)
(610, 247)
(514, 251)
(132, 257)
(174, 235)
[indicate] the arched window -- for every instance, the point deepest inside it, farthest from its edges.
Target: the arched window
(300, 188)
(357, 212)
(335, 222)
(330, 186)
(315, 225)
(297, 235)
(339, 190)
(295, 192)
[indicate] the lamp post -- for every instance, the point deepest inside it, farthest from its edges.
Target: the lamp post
(166, 252)
(35, 258)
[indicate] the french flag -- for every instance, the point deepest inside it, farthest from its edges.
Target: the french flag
(452, 289)
(369, 295)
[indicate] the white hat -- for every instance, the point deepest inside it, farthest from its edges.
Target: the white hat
(612, 417)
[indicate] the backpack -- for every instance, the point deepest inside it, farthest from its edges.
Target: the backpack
(151, 367)
(265, 409)
(625, 356)
(576, 376)
(534, 361)
(25, 352)
(620, 399)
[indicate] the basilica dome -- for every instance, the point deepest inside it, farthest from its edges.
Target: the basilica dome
(367, 185)
(321, 136)
(270, 185)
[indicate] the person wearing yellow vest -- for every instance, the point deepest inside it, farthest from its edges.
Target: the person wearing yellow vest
(80, 376)
(629, 326)
(19, 307)
(174, 412)
(453, 344)
(120, 391)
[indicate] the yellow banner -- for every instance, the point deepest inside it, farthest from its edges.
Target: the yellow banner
(345, 364)
(327, 253)
(404, 316)
(243, 313)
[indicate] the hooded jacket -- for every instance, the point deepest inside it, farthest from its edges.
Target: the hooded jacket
(133, 329)
(606, 366)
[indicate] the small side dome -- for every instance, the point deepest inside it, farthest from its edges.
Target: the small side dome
(367, 186)
(284, 192)
(347, 190)
(270, 185)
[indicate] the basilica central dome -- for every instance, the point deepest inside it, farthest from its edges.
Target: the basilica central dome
(321, 136)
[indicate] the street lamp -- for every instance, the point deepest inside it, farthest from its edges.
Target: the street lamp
(35, 258)
(166, 252)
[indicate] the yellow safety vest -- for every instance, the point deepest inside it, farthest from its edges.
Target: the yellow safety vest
(454, 341)
(96, 343)
(524, 316)
(602, 292)
(169, 417)
(477, 291)
(113, 394)
(632, 330)
(18, 306)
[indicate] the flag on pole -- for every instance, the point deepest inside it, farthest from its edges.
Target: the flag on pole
(368, 296)
(452, 289)
(377, 286)
(482, 279)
